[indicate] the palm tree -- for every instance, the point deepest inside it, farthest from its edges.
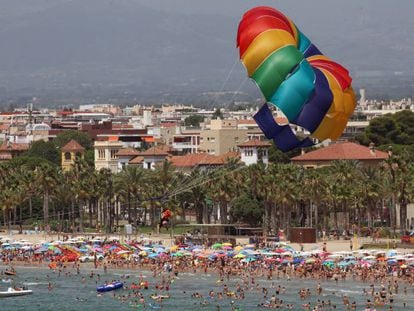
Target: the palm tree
(315, 191)
(400, 170)
(130, 184)
(45, 178)
(341, 187)
(27, 180)
(369, 189)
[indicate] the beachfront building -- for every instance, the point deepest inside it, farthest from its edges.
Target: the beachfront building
(187, 141)
(254, 151)
(125, 156)
(9, 150)
(221, 137)
(368, 156)
(71, 152)
(154, 155)
(106, 154)
(202, 161)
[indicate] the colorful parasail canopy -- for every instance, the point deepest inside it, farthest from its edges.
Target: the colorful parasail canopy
(311, 90)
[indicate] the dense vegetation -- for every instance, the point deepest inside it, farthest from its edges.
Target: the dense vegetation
(36, 191)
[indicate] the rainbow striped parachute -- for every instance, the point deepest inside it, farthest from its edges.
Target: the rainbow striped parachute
(310, 89)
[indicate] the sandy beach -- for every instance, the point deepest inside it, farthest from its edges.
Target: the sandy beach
(167, 240)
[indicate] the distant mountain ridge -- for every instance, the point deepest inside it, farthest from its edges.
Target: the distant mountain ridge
(108, 49)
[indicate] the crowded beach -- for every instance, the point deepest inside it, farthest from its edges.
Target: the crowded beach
(387, 273)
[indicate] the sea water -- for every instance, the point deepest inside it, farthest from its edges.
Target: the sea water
(78, 292)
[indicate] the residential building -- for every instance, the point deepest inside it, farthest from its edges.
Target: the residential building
(187, 141)
(203, 161)
(125, 156)
(106, 154)
(155, 155)
(254, 151)
(222, 136)
(9, 150)
(341, 151)
(70, 153)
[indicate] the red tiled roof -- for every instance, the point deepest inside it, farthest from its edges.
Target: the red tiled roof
(255, 143)
(136, 160)
(14, 147)
(246, 121)
(161, 150)
(127, 152)
(188, 160)
(342, 151)
(72, 145)
(168, 124)
(4, 127)
(194, 159)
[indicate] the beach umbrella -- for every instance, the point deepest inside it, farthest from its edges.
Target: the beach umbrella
(238, 248)
(329, 264)
(248, 259)
(310, 260)
(227, 244)
(217, 245)
(142, 253)
(123, 252)
(249, 246)
(239, 256)
(177, 254)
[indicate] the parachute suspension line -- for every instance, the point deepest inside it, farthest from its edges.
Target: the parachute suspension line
(183, 185)
(223, 85)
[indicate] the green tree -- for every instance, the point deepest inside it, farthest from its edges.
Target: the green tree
(82, 138)
(395, 128)
(218, 114)
(45, 178)
(44, 150)
(193, 120)
(246, 209)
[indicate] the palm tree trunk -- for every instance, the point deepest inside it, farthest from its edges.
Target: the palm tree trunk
(80, 207)
(129, 208)
(117, 212)
(9, 220)
(403, 215)
(205, 215)
(91, 202)
(46, 207)
(30, 207)
(72, 213)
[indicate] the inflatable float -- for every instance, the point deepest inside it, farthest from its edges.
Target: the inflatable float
(109, 287)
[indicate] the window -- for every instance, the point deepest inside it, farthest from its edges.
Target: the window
(67, 156)
(101, 154)
(78, 155)
(248, 152)
(113, 154)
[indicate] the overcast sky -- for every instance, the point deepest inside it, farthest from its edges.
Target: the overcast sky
(149, 43)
